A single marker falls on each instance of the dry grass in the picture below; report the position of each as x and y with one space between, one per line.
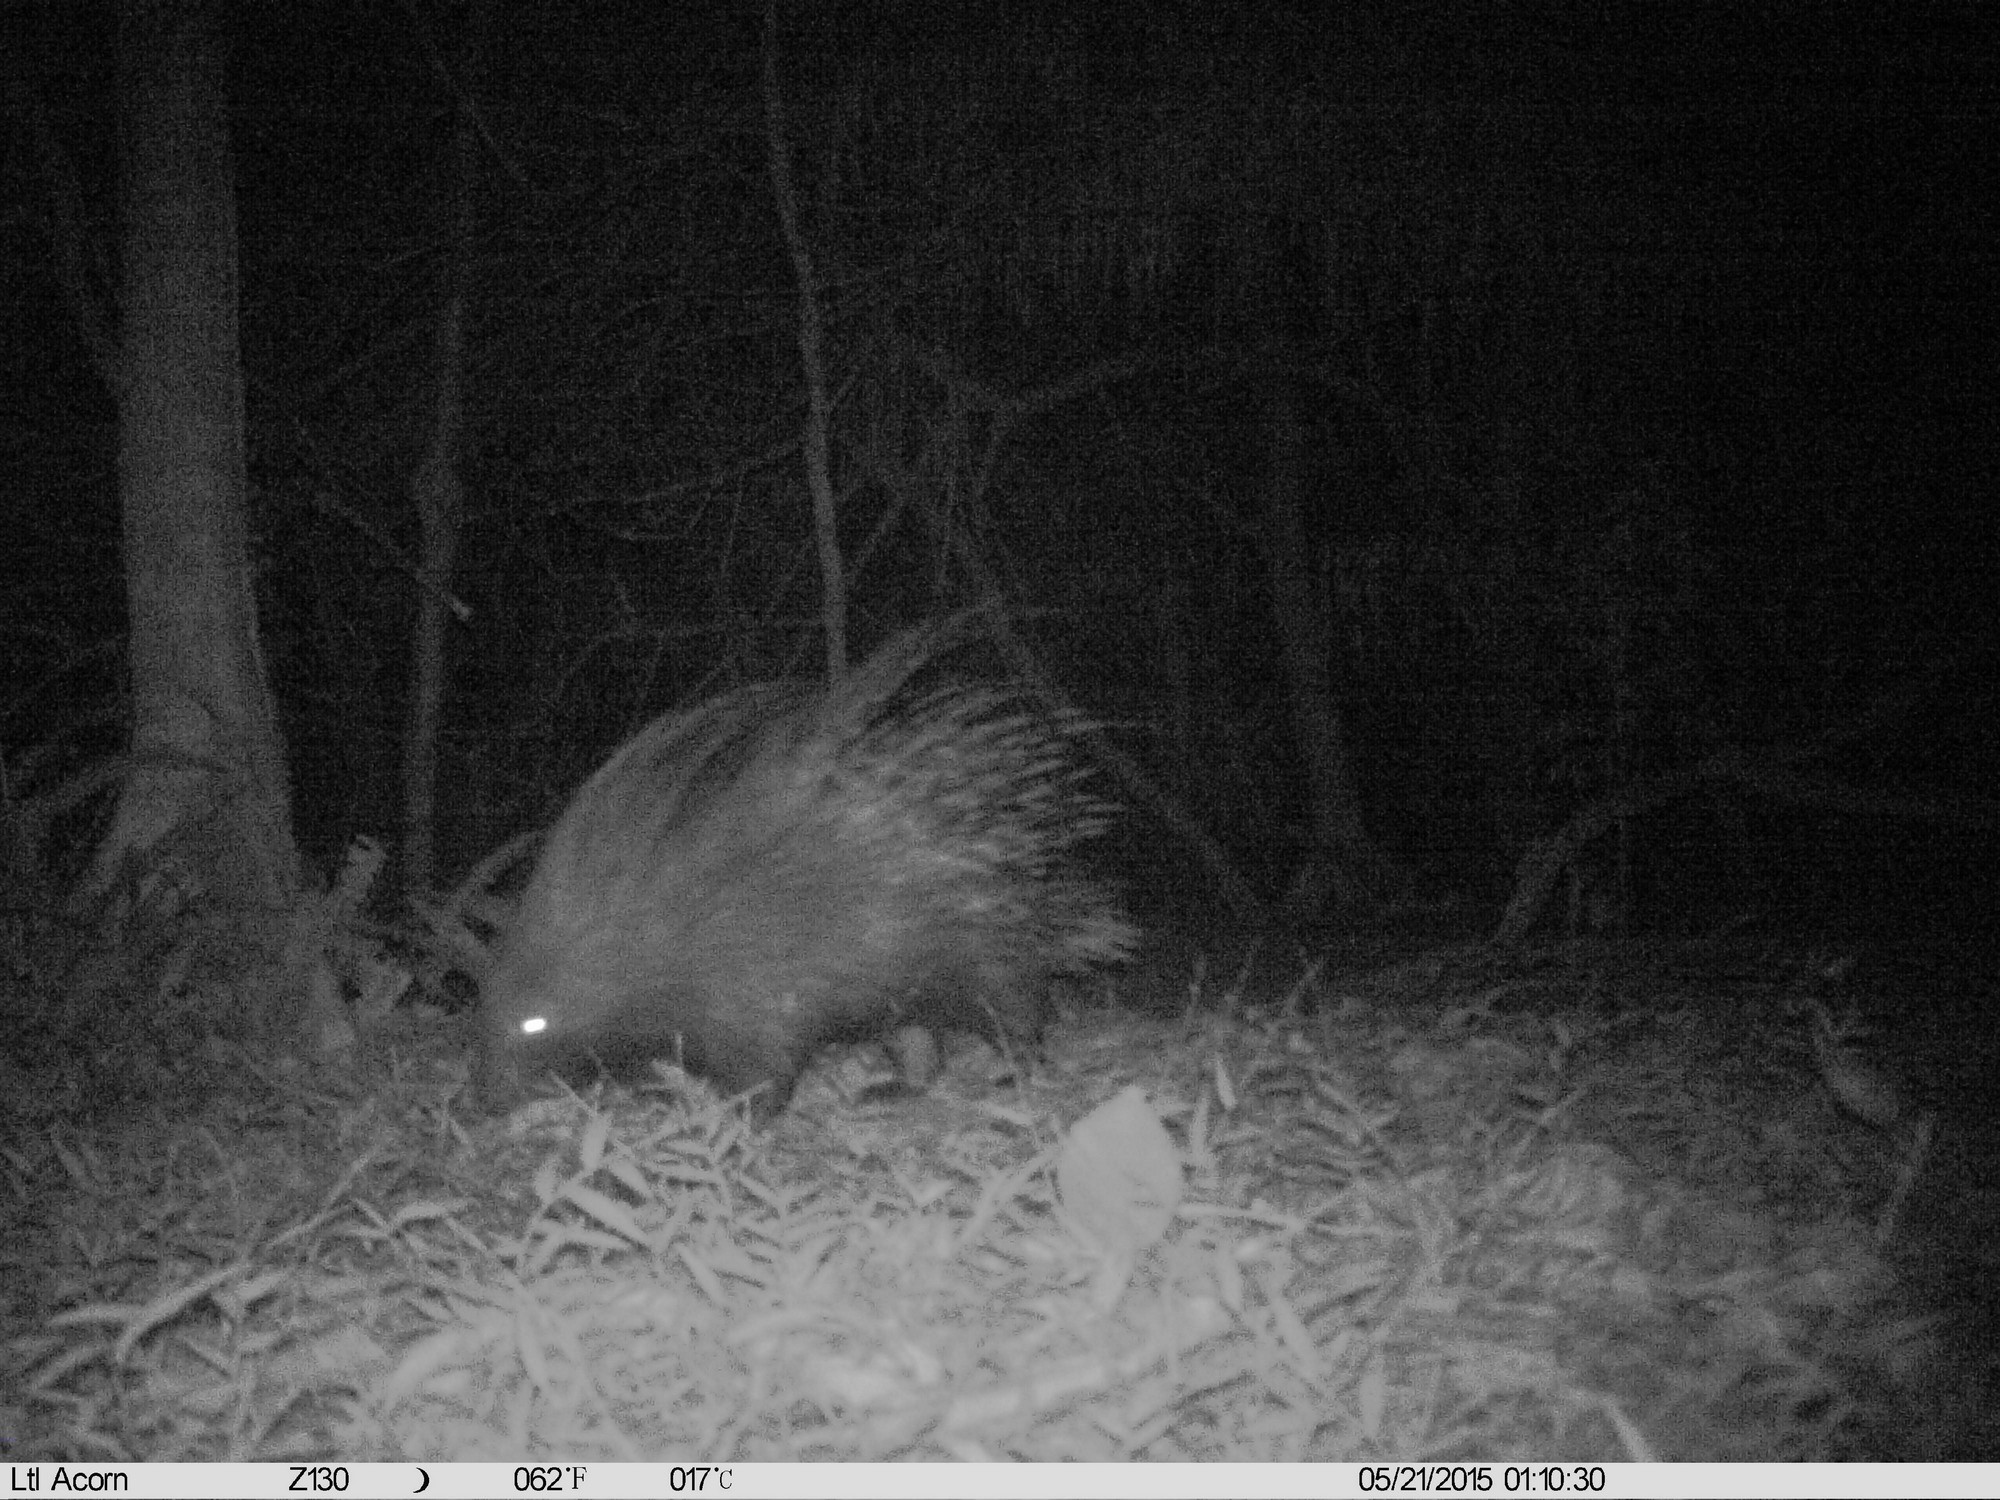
1458 1212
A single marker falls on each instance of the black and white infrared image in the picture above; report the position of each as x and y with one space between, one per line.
838 731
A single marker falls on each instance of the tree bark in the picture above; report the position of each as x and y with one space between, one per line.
817 443
1345 859
439 496
205 812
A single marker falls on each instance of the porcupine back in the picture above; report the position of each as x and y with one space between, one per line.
786 866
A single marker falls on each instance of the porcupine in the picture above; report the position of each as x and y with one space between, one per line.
791 865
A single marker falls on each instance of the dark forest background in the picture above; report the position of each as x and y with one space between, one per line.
1460 413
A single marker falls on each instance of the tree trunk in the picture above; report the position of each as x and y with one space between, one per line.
817 440
438 492
1345 864
205 812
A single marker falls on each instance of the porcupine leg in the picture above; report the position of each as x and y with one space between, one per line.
917 1056
755 1047
986 999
